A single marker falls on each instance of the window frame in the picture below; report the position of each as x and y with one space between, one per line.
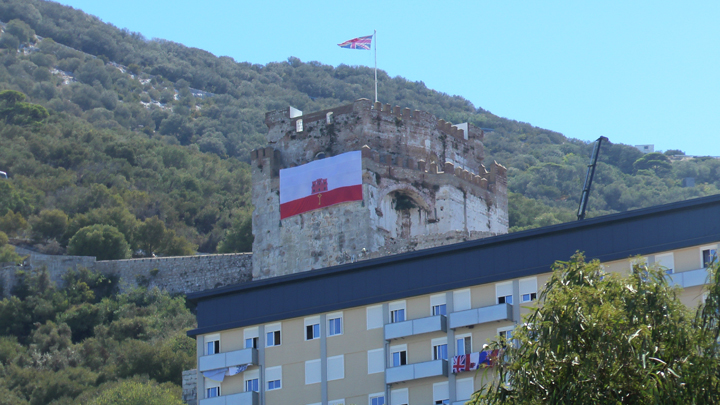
331 330
504 293
459 300
373 356
310 326
438 301
702 249
464 337
437 347
402 354
397 308
374 317
213 339
658 258
528 287
252 334
341 375
251 375
270 373
276 330
309 366
377 395
441 392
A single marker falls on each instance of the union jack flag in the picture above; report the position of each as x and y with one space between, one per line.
459 364
358 43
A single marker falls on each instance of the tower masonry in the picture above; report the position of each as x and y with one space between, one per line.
423 185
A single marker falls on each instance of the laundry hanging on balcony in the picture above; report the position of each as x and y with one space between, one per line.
473 361
219 374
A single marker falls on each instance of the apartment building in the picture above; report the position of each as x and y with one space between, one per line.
386 330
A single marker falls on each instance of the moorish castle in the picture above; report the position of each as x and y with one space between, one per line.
423 185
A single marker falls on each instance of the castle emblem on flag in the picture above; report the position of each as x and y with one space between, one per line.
319 186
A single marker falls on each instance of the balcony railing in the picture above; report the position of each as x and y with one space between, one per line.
397 330
690 278
228 359
243 398
493 313
415 371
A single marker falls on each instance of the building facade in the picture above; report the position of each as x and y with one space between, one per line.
384 330
423 185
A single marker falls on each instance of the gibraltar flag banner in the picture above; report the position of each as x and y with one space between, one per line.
321 183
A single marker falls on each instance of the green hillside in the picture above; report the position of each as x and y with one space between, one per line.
147 128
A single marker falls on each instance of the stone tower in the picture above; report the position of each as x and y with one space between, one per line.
423 185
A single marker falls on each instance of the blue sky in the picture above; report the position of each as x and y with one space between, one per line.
640 72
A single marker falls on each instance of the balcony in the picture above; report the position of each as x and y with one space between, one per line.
243 398
415 371
691 278
493 313
228 359
397 330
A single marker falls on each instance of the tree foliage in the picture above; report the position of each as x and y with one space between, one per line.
609 338
104 242
83 342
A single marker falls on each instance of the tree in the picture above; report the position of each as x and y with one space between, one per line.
102 241
20 30
150 235
50 224
239 237
655 161
607 338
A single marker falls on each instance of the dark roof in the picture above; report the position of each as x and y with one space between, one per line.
520 254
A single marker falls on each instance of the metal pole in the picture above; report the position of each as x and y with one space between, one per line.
375 38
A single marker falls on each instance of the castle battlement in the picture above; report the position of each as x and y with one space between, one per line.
424 184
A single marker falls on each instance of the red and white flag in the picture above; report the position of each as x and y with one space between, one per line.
321 183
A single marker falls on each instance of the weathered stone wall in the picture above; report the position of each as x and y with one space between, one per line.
181 274
189 387
423 185
177 275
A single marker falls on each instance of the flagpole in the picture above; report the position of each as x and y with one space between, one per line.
375 38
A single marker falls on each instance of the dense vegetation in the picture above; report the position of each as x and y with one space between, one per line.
601 338
84 343
139 129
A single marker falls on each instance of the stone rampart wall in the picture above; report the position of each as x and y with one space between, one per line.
181 274
176 275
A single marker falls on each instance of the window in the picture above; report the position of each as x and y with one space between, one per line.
399 355
461 300
252 380
272 332
299 125
312 372
334 324
336 367
212 392
441 393
506 334
376 361
709 255
463 344
329 118
212 344
504 292
666 262
438 305
312 328
439 349
374 317
399 397
528 289
505 299
397 311
312 331
273 376
337 402
251 338
376 399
